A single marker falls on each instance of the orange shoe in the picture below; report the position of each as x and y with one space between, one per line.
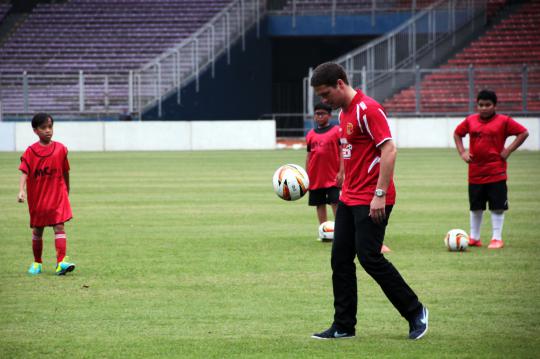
475 243
385 249
496 244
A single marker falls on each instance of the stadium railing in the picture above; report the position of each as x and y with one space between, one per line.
296 8
452 91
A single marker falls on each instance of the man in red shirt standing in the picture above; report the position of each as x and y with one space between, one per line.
487 157
324 163
45 174
366 200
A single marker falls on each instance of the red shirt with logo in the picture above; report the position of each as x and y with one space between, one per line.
487 139
46 188
363 129
323 165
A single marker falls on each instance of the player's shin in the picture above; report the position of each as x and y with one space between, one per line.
60 244
37 246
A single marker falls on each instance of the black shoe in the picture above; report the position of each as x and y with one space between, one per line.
333 333
419 325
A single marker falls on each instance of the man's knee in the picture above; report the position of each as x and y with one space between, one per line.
370 259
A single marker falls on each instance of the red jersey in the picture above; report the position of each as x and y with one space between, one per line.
46 188
487 140
323 165
363 128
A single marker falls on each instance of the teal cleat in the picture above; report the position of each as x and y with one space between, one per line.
64 267
35 268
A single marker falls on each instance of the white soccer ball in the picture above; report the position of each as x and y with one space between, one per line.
456 240
326 230
290 182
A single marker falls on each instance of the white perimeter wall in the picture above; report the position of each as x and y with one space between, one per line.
222 135
147 136
439 132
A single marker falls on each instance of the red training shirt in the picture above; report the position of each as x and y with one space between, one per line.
46 188
323 165
487 138
363 128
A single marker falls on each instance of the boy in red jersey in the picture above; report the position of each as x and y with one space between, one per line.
366 200
45 174
324 163
487 157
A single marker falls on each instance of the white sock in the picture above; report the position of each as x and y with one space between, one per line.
497 221
476 223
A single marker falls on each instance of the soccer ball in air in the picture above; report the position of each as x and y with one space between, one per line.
290 182
456 240
326 231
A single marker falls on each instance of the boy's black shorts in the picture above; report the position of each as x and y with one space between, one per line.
322 196
494 193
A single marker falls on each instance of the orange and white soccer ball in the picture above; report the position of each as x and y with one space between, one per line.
456 240
290 182
326 231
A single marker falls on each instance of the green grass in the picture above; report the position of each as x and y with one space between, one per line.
190 254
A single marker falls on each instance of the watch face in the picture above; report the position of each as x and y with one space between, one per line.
379 193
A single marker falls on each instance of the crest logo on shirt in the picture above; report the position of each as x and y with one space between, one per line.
350 127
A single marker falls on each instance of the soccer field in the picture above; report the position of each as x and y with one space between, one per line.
192 255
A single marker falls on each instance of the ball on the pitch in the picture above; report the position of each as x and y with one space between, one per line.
290 182
456 240
326 231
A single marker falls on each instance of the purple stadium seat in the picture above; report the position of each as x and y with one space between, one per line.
100 37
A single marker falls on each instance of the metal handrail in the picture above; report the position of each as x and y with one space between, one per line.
390 34
242 14
402 47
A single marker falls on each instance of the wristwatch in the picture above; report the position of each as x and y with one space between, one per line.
380 192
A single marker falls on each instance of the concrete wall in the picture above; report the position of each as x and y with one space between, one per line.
222 135
438 132
147 136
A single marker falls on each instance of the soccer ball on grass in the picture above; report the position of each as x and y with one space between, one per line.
326 231
456 240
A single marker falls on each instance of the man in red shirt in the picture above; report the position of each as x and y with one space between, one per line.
487 157
323 163
366 200
45 174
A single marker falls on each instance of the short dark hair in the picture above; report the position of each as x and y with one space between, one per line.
40 118
328 74
324 107
487 95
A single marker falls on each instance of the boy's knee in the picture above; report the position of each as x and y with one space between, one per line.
58 228
38 231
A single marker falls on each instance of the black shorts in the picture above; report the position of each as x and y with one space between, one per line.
494 193
320 196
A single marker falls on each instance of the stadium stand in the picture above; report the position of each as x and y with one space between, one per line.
497 59
100 37
4 8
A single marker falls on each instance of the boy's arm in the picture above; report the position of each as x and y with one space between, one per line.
463 153
515 144
22 187
66 179
341 172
